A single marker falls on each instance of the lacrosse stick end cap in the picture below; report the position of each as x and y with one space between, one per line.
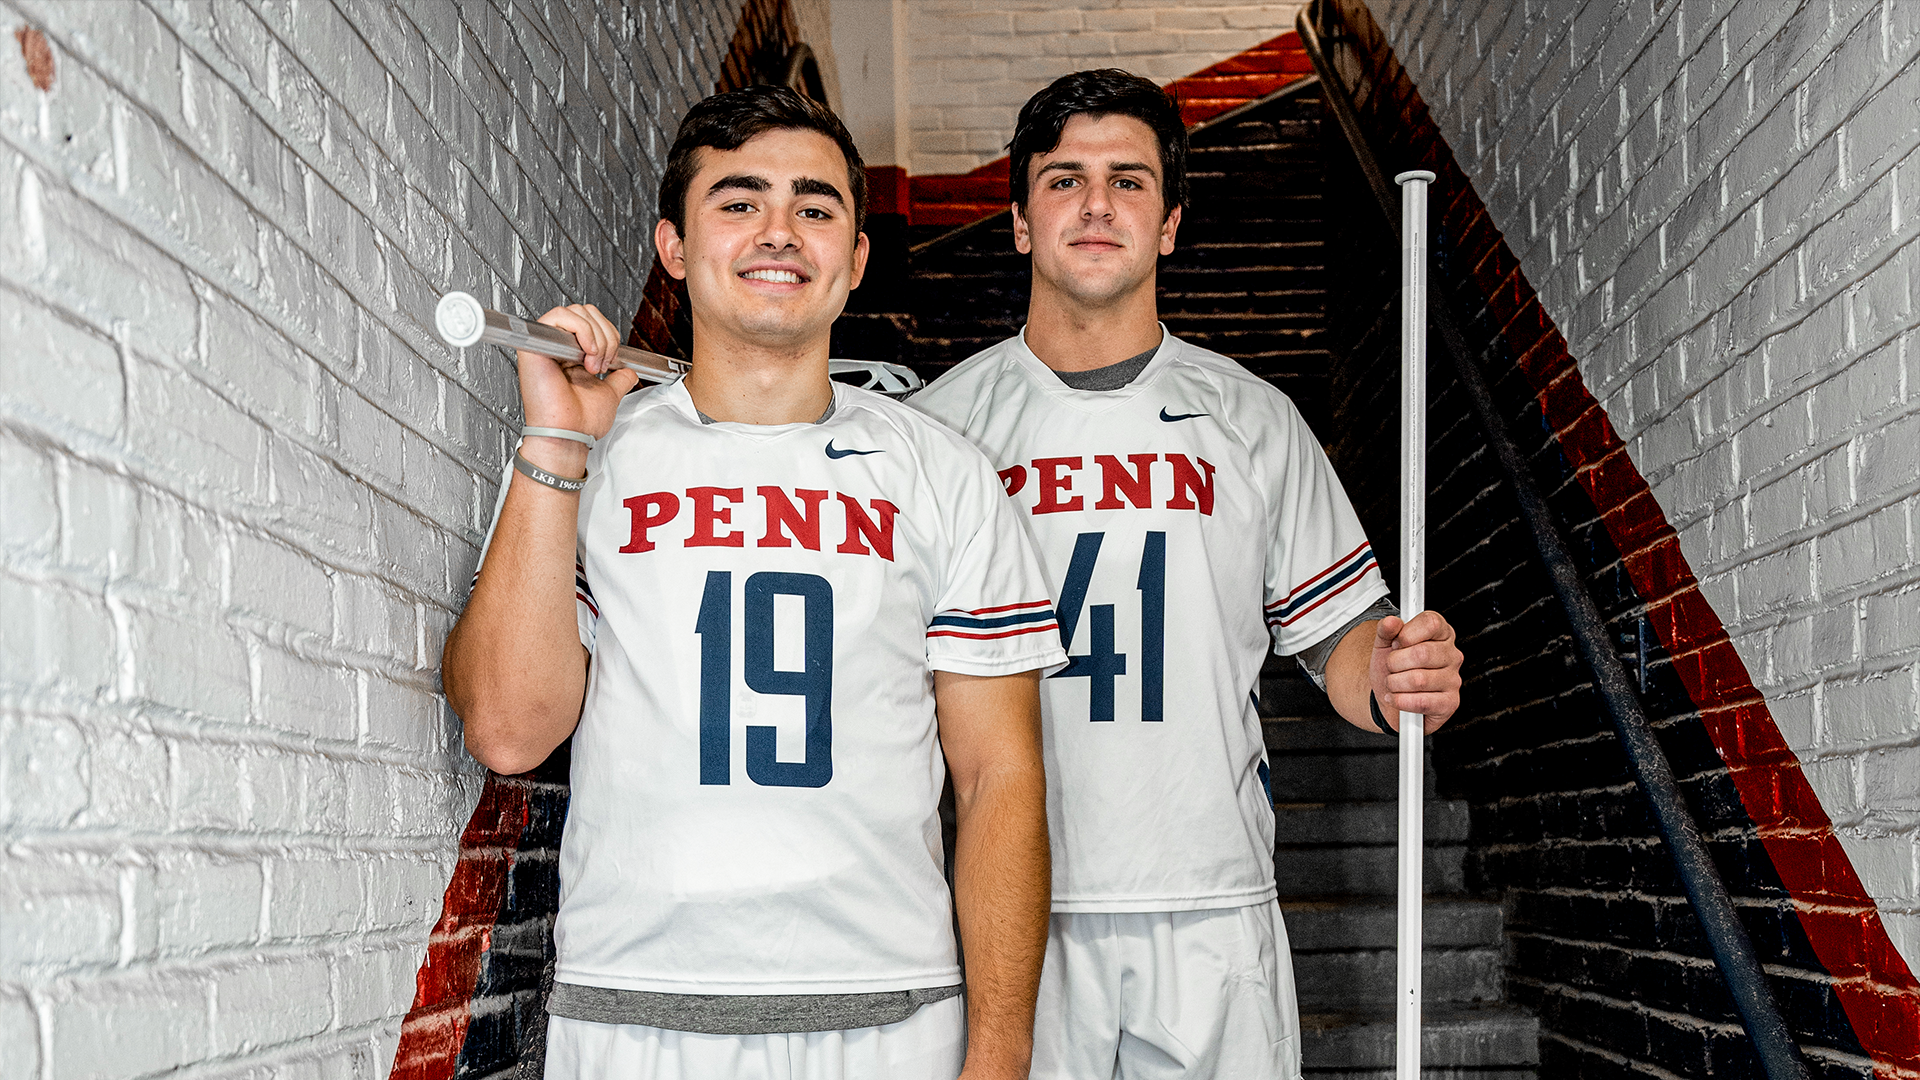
1414 174
460 319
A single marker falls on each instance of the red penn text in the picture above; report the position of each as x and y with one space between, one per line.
772 517
1064 484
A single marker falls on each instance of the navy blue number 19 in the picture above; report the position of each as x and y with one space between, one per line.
813 682
1100 665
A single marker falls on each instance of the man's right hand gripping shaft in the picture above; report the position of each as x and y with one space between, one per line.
514 669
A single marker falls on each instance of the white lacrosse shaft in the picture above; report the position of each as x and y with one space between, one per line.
1413 599
463 320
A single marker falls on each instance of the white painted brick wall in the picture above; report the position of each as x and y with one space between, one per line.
974 64
1719 202
244 484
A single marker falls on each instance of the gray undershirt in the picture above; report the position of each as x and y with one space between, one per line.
1314 657
742 1014
1111 377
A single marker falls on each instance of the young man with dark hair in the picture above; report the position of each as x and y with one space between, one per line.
774 613
1187 516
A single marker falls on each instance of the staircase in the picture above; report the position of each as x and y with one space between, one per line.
1335 859
1246 280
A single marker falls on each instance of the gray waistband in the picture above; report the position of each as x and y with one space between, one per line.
741 1014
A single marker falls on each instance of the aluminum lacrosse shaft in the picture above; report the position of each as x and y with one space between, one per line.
462 321
1413 599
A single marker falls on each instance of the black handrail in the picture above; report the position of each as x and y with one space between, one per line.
1726 937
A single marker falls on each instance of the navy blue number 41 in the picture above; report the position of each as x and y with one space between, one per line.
1100 665
813 682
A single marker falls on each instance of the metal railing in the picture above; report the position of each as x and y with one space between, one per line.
1726 937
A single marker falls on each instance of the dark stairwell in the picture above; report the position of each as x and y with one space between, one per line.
1248 279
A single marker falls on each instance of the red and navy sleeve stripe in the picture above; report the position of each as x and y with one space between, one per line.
1322 587
988 624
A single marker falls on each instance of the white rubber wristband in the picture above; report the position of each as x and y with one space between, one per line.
561 433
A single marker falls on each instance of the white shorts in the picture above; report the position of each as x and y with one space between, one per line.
1162 994
929 1045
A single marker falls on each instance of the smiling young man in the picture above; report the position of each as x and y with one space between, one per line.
774 613
1187 517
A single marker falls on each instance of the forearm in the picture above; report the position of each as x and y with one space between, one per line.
1002 891
513 667
1348 678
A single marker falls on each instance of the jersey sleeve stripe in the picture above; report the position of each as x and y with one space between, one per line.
1347 568
1289 618
1048 625
950 619
1048 604
587 600
1364 551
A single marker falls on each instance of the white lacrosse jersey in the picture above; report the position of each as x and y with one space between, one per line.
756 771
1184 519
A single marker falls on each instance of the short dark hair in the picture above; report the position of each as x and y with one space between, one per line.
1100 92
726 121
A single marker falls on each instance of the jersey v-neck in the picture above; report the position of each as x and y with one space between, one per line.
833 402
1092 401
1111 376
679 398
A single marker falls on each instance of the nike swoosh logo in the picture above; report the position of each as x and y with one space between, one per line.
837 454
1174 417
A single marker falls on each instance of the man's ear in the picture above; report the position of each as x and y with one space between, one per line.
672 249
861 249
1022 234
1167 230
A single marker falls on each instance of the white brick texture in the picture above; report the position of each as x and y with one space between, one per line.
1718 202
244 483
974 64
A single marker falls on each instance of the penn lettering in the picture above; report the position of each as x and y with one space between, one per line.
724 517
1124 483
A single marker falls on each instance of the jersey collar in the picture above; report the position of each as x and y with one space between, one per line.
676 397
1092 400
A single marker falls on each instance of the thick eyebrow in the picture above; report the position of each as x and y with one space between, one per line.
739 182
1112 166
807 185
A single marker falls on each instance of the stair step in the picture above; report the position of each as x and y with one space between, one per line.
1170 300
1299 267
1283 220
1232 320
1245 343
1370 775
1299 826
1333 981
1299 717
1349 870
1347 925
1494 1042
1321 734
